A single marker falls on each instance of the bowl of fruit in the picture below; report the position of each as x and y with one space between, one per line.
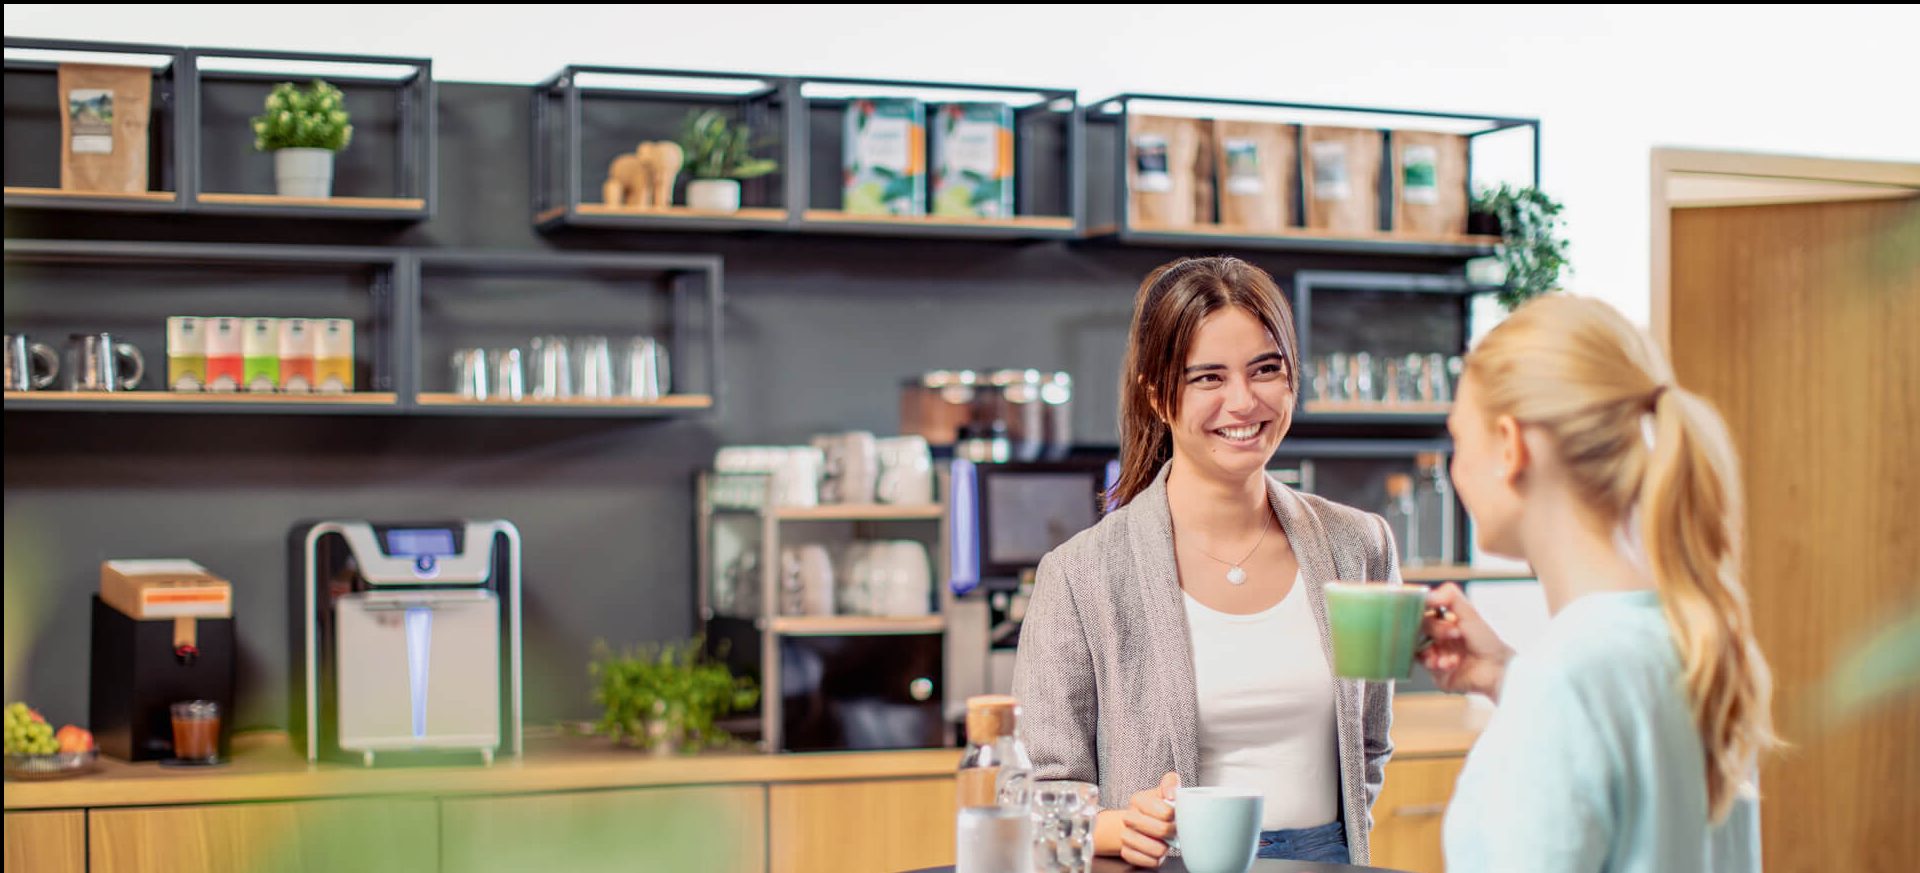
35 751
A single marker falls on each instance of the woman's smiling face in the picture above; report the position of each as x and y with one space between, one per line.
1236 400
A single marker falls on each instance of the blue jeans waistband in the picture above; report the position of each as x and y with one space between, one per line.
1325 843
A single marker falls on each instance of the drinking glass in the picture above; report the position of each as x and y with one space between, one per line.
1063 814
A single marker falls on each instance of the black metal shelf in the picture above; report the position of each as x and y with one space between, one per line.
413 131
394 280
672 406
1109 211
792 201
168 402
181 105
169 142
1384 244
1359 447
1421 420
691 284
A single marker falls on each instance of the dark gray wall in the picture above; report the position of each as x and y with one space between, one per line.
819 332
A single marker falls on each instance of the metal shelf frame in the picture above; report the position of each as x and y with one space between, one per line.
395 282
178 112
172 119
1118 225
779 103
768 523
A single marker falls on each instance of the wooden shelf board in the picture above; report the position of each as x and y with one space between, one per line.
358 398
827 625
858 512
139 196
674 401
1027 222
398 204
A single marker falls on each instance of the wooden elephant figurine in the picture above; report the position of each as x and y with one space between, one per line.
644 177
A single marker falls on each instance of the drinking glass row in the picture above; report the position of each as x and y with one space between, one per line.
564 368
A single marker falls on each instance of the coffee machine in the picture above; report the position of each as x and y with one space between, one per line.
1004 518
406 639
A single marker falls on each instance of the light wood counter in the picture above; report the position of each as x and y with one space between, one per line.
266 768
1434 725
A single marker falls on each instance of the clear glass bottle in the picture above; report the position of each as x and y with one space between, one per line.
1403 516
994 831
1433 500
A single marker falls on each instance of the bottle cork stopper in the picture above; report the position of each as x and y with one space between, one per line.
990 716
1398 484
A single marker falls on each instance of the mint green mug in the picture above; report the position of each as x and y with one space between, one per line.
1376 629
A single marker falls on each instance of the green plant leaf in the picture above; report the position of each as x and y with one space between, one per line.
296 117
673 689
1530 247
714 148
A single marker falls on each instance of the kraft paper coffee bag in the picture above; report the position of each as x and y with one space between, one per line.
103 127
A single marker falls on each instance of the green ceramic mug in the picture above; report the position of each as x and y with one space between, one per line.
1376 628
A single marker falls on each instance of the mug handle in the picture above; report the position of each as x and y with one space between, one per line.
1173 842
1424 639
43 353
128 383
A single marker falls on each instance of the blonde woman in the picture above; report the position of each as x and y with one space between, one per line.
1627 740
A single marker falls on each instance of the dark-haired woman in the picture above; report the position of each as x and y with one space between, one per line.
1183 639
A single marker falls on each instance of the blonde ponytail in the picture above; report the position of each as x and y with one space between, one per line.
1690 506
1638 445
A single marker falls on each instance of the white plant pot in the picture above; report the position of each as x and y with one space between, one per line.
303 172
1487 271
714 195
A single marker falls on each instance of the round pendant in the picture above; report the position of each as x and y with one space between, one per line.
1236 576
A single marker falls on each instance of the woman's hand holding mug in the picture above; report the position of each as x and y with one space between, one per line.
1465 654
1139 833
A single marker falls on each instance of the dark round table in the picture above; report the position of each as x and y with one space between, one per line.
1173 865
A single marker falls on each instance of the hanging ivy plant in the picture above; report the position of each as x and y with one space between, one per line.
1530 250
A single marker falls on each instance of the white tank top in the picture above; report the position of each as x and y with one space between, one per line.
1266 708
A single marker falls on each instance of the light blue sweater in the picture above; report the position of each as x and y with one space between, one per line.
1592 762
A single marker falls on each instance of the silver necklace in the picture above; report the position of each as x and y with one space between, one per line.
1236 574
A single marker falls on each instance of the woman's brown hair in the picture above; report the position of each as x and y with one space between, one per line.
1167 311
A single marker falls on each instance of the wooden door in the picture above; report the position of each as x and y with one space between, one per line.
1802 323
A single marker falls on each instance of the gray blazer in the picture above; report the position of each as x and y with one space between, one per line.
1105 668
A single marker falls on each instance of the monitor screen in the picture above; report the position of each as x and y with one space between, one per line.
1029 513
411 543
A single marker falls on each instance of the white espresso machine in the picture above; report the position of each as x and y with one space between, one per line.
406 639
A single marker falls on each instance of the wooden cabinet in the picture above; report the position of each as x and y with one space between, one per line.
46 842
862 827
718 829
1407 817
364 835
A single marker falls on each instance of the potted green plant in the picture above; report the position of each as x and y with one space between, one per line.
303 128
667 697
718 155
1531 254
